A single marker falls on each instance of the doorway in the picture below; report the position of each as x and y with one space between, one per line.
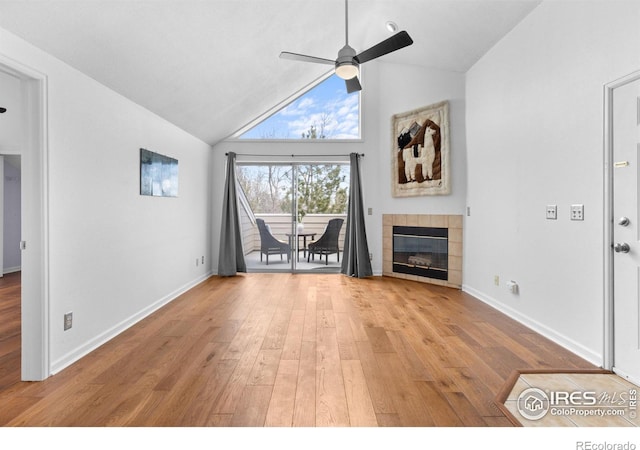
293 215
622 141
10 214
10 266
34 302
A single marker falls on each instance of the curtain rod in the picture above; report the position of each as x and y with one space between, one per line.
292 155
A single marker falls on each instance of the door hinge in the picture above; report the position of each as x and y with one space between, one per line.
23 245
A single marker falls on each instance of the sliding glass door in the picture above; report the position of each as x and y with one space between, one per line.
293 215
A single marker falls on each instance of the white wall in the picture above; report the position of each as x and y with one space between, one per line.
535 137
387 90
114 255
401 89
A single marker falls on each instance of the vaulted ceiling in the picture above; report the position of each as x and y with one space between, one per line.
212 66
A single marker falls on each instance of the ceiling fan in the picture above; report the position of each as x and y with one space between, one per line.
347 65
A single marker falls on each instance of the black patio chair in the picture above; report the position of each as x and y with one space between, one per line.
269 245
327 244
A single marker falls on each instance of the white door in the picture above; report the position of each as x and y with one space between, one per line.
626 230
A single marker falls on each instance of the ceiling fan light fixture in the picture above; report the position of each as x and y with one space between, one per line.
391 26
346 65
347 70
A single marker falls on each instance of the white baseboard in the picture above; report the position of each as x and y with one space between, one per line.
8 270
83 350
551 334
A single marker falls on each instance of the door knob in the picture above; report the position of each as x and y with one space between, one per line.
623 221
622 248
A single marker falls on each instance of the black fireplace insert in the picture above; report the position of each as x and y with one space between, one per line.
422 251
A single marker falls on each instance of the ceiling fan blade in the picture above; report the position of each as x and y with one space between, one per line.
395 42
306 58
353 85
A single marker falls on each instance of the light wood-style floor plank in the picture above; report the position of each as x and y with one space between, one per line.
293 340
281 407
304 412
361 413
281 349
331 401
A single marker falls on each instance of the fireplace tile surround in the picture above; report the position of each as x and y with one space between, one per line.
452 222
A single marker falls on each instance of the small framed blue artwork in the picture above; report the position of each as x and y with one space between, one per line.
158 174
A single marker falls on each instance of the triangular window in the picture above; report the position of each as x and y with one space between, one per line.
325 111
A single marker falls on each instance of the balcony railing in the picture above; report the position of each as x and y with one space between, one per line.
280 225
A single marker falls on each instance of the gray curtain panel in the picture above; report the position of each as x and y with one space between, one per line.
355 261
231 257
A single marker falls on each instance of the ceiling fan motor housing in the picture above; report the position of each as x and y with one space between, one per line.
346 64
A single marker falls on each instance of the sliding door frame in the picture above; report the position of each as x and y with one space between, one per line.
294 240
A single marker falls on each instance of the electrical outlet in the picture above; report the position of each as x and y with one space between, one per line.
197 262
577 212
496 280
552 212
68 321
202 260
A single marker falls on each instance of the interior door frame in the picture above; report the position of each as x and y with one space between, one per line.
609 349
35 357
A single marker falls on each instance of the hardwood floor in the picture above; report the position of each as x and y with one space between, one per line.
10 286
293 350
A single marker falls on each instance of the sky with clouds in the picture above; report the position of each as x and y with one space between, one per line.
328 103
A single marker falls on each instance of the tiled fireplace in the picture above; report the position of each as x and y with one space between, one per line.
423 247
